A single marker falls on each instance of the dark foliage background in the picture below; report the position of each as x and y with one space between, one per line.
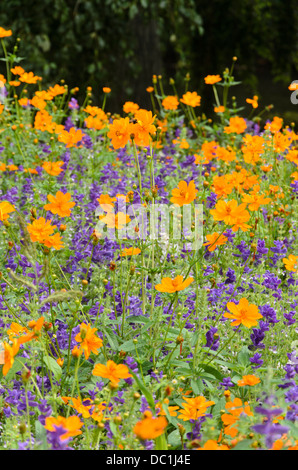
121 43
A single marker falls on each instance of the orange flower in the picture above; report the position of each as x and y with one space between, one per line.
149 89
17 70
253 102
292 156
212 79
96 111
53 168
54 241
54 91
130 252
219 109
76 404
149 427
237 125
40 229
38 102
60 204
113 372
253 148
4 33
231 214
171 409
71 138
76 352
170 103
90 342
248 380
35 327
291 263
15 330
120 131
72 425
10 352
243 314
234 409
226 155
144 127
275 125
5 209
215 240
94 123
194 408
29 77
255 201
191 99
209 151
222 186
130 107
184 194
213 445
173 285
106 202
183 144
281 142
106 89
12 167
293 86
113 220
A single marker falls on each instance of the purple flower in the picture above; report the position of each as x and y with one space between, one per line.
73 104
211 342
257 360
226 383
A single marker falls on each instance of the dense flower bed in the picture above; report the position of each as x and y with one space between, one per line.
115 340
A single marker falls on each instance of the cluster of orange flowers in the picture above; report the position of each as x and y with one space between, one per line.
25 77
41 231
122 130
232 214
19 335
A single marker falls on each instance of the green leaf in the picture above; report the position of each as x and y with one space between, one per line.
220 405
53 367
243 445
137 319
145 391
243 356
113 427
41 436
174 438
111 338
17 366
161 443
130 345
212 371
197 386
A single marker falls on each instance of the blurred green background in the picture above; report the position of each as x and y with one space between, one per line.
121 43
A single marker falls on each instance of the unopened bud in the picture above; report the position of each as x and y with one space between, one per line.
22 428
